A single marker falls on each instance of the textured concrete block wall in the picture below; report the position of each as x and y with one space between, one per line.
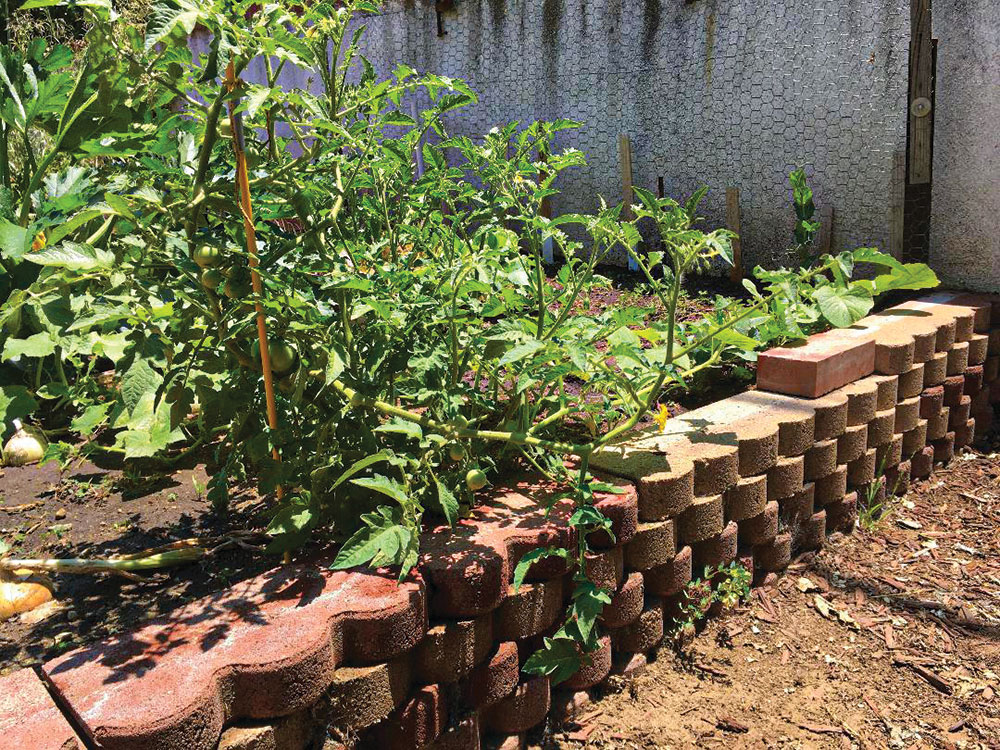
965 242
716 93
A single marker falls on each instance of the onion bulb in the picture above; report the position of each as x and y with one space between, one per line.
26 446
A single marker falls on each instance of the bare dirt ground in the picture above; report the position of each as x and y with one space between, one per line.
95 512
888 638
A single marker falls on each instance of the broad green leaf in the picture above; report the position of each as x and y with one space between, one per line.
388 487
72 256
15 241
873 255
89 420
381 541
36 346
521 351
138 381
447 502
908 276
359 466
16 402
843 307
402 427
533 556
148 429
559 659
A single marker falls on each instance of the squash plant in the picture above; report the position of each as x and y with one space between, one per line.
420 346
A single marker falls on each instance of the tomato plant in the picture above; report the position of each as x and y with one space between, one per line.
419 343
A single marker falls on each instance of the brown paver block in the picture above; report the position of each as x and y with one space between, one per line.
800 506
978 348
888 391
29 718
267 647
960 413
907 414
911 382
965 434
606 569
361 697
931 401
958 358
862 401
596 667
719 550
670 579
760 529
841 516
811 533
891 453
882 428
944 448
795 418
415 724
626 605
655 543
852 444
937 425
746 498
643 634
861 470
775 555
821 459
922 463
297 731
663 474
819 364
786 478
704 519
494 678
915 439
973 380
936 369
831 488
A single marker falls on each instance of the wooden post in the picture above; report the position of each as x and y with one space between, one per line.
733 225
897 203
921 91
825 239
625 163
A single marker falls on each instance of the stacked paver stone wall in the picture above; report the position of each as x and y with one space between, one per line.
279 660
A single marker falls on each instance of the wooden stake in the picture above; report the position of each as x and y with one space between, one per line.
243 188
625 163
825 239
733 225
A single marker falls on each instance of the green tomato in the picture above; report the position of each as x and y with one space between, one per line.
225 128
456 452
211 278
284 358
207 256
475 479
237 289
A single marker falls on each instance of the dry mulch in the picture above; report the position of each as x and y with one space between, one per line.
890 637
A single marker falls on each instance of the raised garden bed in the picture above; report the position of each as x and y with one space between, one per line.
300 652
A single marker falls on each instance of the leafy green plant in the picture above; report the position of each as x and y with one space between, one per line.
418 346
805 227
726 585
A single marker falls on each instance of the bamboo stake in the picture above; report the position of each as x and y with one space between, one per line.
243 186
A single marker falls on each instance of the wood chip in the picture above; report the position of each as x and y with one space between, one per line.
937 682
729 724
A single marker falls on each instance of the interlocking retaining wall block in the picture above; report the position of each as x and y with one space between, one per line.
301 653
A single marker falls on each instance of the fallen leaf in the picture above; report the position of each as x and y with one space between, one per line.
822 605
805 585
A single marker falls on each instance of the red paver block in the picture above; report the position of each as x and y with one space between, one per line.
643 634
452 649
529 610
626 605
468 569
415 724
29 718
361 697
524 708
266 647
818 365
973 380
462 736
596 667
494 678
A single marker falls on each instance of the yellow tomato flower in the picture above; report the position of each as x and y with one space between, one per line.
662 416
39 242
